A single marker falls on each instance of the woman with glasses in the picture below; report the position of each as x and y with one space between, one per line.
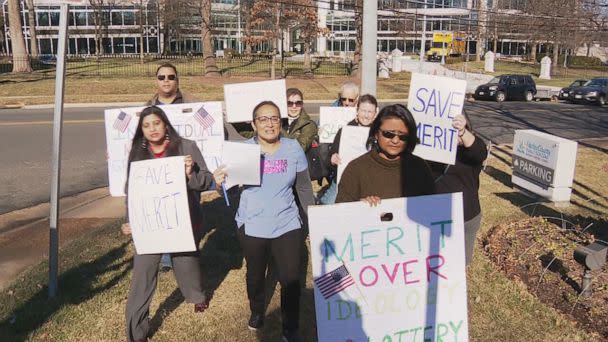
268 219
367 109
155 137
389 169
299 125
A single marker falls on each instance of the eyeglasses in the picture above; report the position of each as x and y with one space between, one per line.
170 77
295 103
391 135
346 99
266 119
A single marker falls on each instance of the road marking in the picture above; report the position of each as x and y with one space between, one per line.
24 123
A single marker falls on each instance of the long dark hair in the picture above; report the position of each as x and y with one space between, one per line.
140 146
396 111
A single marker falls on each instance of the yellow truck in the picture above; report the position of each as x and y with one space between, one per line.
446 43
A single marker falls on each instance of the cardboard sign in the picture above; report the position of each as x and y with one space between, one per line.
242 162
201 122
241 98
331 119
395 272
544 164
435 101
352 145
158 206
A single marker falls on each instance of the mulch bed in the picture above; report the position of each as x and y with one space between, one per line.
539 252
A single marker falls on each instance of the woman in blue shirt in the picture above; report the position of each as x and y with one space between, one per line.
269 221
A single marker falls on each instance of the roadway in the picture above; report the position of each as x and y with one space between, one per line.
26 136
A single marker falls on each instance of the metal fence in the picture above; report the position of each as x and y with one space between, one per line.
124 65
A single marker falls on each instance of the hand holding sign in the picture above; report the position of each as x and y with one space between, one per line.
435 101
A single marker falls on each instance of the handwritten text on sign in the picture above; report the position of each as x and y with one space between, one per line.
435 101
396 279
331 119
158 206
201 122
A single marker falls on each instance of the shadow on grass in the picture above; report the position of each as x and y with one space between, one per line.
308 325
505 178
76 285
596 226
552 263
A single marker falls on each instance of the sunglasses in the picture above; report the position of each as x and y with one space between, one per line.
295 103
346 99
170 77
391 135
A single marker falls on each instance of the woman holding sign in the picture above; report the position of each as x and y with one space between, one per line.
367 109
268 218
155 137
464 177
389 169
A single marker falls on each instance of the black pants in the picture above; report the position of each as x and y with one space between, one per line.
285 251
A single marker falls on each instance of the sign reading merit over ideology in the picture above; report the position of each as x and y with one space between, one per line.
201 122
241 98
544 164
435 101
158 206
394 272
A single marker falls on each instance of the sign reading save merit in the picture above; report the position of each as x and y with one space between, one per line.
544 164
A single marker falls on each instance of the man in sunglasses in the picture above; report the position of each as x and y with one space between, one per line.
167 84
349 95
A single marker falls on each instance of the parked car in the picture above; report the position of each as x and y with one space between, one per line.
507 87
595 91
564 93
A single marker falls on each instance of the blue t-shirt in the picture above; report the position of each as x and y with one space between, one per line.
270 210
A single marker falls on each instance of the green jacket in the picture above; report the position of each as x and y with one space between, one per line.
303 129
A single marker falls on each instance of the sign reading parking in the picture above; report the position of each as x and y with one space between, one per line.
534 172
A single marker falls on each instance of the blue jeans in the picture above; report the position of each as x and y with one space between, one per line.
329 196
165 261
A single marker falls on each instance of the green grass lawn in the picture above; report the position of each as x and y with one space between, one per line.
95 273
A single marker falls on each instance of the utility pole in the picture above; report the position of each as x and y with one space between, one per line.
423 37
482 15
369 39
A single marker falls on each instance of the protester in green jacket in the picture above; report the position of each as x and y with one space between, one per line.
299 125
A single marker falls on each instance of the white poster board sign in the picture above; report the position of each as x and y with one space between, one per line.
352 145
201 122
241 98
331 119
435 101
395 272
242 163
158 206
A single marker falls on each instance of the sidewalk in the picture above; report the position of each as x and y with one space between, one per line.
24 234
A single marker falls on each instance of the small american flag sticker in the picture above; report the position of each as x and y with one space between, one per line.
204 118
122 121
334 282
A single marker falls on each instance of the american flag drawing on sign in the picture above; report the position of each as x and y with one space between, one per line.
204 118
122 121
335 281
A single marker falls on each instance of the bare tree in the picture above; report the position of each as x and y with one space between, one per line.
102 19
208 53
2 37
32 25
21 60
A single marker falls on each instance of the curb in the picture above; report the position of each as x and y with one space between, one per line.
12 106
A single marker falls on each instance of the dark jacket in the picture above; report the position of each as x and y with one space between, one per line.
463 176
180 97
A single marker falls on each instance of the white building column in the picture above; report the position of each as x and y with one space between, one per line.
322 10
